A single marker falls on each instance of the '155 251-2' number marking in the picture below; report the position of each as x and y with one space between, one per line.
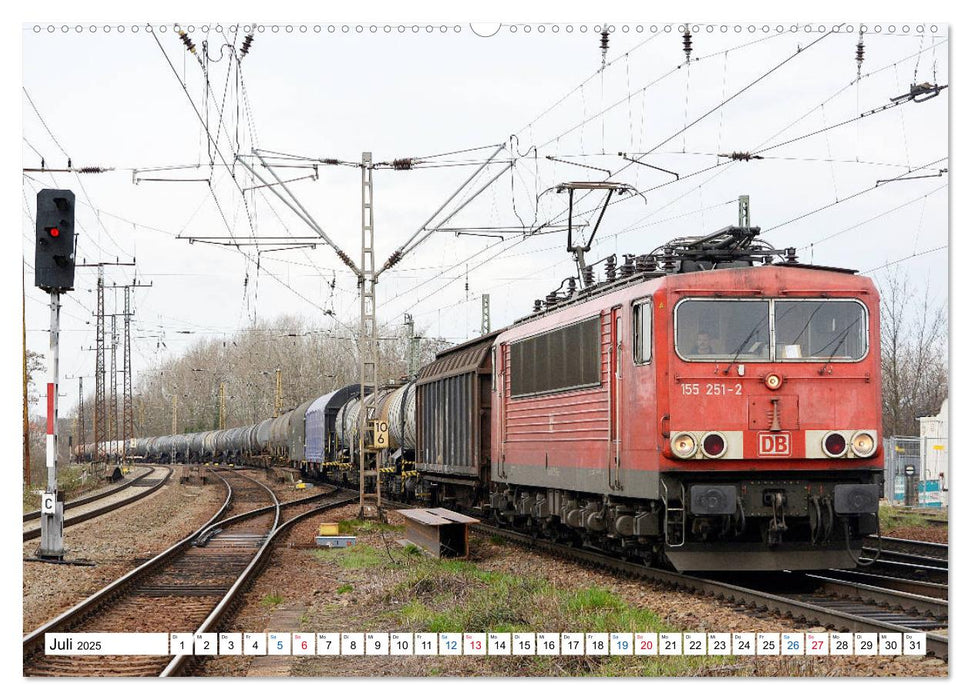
711 389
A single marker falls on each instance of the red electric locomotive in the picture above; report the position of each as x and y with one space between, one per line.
707 406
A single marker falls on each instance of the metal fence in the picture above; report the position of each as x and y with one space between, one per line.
915 471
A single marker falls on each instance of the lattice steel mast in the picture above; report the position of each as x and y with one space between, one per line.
100 409
113 418
368 330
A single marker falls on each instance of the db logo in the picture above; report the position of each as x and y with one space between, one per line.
774 445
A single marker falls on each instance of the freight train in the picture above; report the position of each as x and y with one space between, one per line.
714 405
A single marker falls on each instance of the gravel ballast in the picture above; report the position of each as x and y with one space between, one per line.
304 591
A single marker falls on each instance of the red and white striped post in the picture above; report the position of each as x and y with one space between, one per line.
52 509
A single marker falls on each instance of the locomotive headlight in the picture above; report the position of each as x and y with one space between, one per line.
863 444
773 381
684 445
834 445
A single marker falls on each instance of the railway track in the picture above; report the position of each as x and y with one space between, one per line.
927 612
97 494
142 486
933 552
842 609
924 588
910 560
187 588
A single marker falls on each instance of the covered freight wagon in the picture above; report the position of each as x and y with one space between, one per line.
321 423
453 415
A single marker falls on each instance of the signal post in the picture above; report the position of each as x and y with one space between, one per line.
54 273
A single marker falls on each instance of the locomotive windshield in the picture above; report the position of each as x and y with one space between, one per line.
709 330
721 329
820 329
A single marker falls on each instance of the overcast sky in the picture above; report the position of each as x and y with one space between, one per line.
111 99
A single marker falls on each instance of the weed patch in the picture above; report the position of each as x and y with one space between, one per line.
457 596
360 556
892 518
349 527
271 600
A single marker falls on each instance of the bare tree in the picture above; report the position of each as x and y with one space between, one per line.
312 362
913 336
35 367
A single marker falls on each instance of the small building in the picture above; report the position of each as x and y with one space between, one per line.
934 452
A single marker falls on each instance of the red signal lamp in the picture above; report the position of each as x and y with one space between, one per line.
54 231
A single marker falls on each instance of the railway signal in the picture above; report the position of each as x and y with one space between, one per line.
53 272
54 253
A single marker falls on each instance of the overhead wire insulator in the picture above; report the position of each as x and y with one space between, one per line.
645 263
740 155
247 43
190 47
588 276
686 41
604 42
402 163
395 257
859 55
610 268
340 254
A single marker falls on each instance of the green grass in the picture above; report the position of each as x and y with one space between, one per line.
271 599
892 517
345 588
457 596
412 550
350 527
600 610
360 556
448 595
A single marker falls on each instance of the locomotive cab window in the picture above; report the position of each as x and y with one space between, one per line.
558 360
642 331
710 330
820 329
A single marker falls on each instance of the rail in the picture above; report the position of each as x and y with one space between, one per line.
34 533
84 500
178 662
780 604
32 639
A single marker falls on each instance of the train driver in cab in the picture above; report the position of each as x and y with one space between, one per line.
703 344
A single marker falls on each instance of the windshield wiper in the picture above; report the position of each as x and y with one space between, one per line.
838 341
742 346
808 321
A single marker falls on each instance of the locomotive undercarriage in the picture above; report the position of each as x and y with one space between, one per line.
710 522
625 527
